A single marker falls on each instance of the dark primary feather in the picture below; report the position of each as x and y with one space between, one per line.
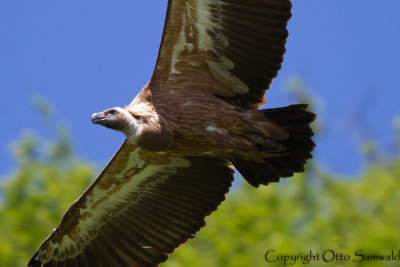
257 34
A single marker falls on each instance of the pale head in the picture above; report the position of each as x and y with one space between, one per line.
118 119
140 124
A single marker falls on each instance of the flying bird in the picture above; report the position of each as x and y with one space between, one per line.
196 119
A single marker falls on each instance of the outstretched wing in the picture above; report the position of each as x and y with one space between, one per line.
232 48
140 208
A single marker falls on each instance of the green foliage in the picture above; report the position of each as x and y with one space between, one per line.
34 198
298 215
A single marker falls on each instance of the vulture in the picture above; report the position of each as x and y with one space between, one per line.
196 120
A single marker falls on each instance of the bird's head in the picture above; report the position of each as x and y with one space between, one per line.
117 118
137 123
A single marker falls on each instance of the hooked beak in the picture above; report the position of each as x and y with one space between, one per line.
98 117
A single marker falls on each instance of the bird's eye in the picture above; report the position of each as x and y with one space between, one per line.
112 112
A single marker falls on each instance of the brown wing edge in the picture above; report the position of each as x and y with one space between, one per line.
170 214
165 28
74 208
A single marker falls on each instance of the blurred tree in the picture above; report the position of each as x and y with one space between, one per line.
298 215
33 198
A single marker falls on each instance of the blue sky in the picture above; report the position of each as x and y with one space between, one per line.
86 56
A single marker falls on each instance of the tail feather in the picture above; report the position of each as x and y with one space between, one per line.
296 120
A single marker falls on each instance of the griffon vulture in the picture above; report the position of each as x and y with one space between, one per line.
192 122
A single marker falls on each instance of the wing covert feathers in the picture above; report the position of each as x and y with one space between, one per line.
139 209
231 48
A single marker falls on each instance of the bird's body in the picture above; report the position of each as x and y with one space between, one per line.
196 118
217 128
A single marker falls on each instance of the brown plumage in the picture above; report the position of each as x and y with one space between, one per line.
196 117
